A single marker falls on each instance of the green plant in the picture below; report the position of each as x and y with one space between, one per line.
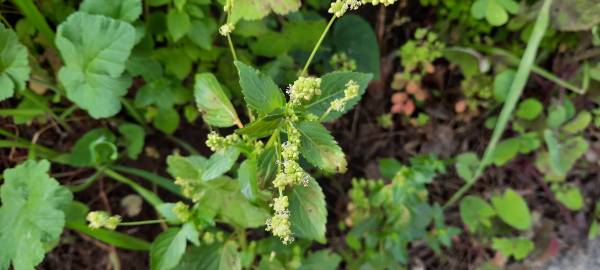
385 216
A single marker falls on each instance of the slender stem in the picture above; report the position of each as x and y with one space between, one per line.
314 52
87 183
29 95
183 144
142 222
231 47
133 112
37 19
148 195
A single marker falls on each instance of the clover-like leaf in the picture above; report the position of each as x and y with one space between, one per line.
133 139
125 10
95 49
14 67
516 247
320 148
494 11
213 102
31 214
512 209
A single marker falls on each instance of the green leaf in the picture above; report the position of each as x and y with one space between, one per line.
213 102
157 92
564 155
494 11
505 151
502 83
323 259
294 35
186 167
248 178
515 247
579 124
125 10
220 163
14 71
571 197
217 256
529 109
260 92
94 148
320 148
95 49
389 167
202 33
466 164
134 139
354 36
557 115
31 214
178 23
263 127
166 120
267 165
169 246
258 9
308 214
512 209
332 87
476 213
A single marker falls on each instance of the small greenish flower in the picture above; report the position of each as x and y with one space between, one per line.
279 226
226 29
341 62
338 104
304 89
351 91
377 2
280 205
217 143
338 8
208 238
182 211
99 219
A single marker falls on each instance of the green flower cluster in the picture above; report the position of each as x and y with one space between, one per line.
290 174
100 219
304 89
350 92
216 142
190 188
182 212
340 7
342 62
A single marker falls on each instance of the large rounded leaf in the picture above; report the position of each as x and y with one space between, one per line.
14 68
94 49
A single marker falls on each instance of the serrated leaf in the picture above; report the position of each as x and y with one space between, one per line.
133 138
217 256
308 214
261 128
213 102
323 259
332 87
186 167
125 10
260 92
157 92
169 246
320 148
31 214
258 9
13 60
95 49
512 209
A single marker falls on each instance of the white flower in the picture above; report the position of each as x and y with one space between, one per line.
226 29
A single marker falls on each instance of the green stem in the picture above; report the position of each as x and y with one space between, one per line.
316 48
153 178
35 17
513 60
87 183
133 112
148 195
29 95
231 47
21 112
183 144
143 222
516 89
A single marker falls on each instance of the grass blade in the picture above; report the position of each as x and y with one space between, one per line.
516 89
35 17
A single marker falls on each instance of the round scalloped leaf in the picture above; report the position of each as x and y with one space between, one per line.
95 49
31 214
14 67
125 10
